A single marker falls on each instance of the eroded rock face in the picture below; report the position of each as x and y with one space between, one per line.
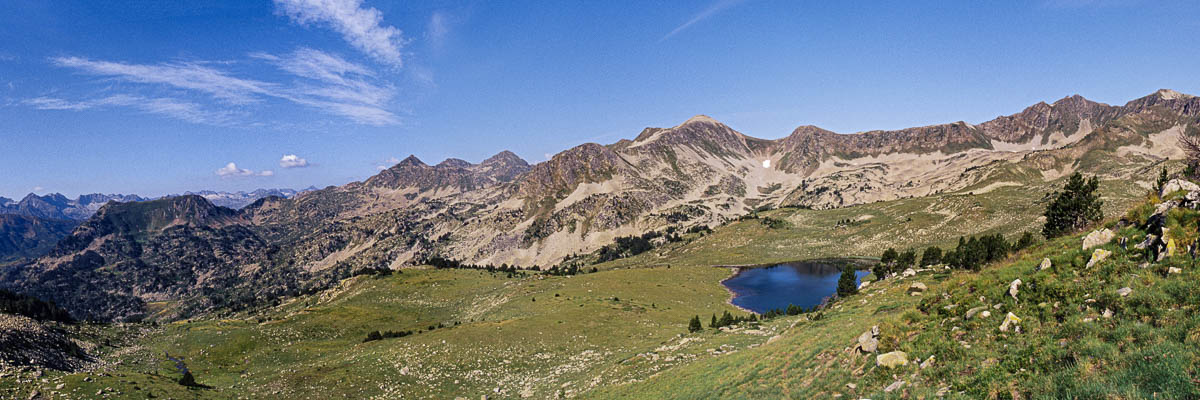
1097 238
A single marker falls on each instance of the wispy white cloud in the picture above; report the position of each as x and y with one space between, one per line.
362 27
326 82
189 76
174 108
231 170
292 161
712 9
438 29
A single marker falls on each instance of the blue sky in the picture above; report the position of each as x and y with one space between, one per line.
154 97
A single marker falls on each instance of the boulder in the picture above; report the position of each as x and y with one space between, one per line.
972 312
1044 265
917 287
892 360
1125 291
1098 256
1097 238
1010 321
1013 288
867 341
1175 185
908 272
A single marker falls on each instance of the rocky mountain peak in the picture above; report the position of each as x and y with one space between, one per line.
1168 94
411 161
454 163
505 158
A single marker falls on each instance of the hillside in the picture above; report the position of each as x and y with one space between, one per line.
30 237
621 333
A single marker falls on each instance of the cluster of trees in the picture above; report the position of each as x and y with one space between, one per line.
32 307
970 254
791 309
567 270
726 319
377 335
445 263
629 246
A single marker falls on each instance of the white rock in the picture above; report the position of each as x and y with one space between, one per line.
1013 288
1174 270
917 287
908 272
1097 238
1177 185
1044 265
895 385
1125 291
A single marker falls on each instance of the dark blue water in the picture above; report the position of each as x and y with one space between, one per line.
804 284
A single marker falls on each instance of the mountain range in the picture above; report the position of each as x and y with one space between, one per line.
194 256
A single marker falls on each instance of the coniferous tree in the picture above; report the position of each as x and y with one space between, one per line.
847 284
1076 206
1162 180
694 325
713 324
931 256
905 260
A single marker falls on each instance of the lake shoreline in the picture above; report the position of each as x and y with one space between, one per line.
809 276
734 271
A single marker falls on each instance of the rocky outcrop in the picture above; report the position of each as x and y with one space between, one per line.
25 342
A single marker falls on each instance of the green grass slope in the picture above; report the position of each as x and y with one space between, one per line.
1144 346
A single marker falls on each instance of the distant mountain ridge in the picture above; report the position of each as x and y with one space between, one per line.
58 206
503 210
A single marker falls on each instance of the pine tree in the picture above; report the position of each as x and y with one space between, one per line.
694 325
931 256
713 324
847 284
1162 180
1073 208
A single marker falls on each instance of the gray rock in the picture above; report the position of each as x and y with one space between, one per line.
867 343
1013 288
972 312
1175 185
1145 244
1097 238
895 385
1098 256
1125 291
1044 265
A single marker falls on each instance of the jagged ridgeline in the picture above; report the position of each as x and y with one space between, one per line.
173 257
